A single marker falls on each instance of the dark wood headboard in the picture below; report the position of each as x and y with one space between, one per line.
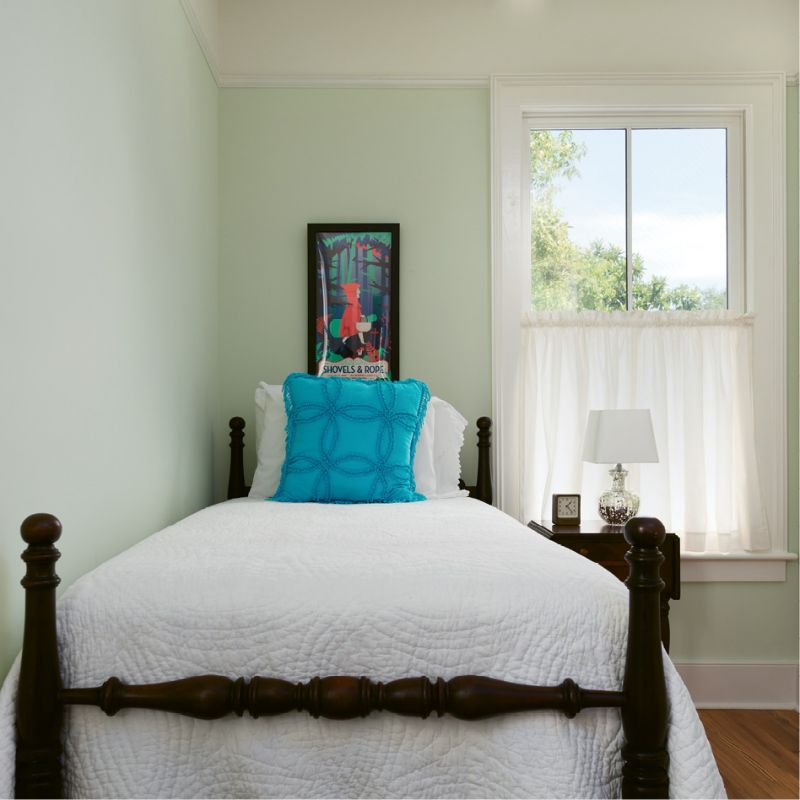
482 490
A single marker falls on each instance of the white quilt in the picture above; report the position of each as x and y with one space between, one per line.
438 588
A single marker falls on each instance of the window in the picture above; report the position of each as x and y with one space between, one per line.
631 218
681 178
634 217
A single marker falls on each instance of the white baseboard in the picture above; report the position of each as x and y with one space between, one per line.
732 685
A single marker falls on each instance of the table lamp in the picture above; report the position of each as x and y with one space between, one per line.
617 437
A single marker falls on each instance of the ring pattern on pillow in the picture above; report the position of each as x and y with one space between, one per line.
437 462
351 441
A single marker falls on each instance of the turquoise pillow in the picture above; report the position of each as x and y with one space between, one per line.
351 441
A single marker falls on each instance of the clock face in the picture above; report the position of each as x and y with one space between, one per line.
568 507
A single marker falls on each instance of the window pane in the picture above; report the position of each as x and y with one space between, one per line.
679 229
578 220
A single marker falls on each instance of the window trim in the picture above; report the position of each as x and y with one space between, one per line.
760 99
735 567
681 117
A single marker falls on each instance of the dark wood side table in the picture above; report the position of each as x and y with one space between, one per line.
606 546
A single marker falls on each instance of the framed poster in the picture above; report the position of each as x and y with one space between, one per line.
353 299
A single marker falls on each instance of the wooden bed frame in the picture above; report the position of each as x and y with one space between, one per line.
41 697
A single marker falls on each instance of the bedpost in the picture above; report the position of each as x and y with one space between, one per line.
644 714
483 485
236 484
39 707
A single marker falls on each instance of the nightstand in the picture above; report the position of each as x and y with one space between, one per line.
606 546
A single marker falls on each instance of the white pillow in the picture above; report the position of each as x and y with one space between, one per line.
437 461
424 462
448 440
270 440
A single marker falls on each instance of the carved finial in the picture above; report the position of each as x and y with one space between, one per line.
40 530
483 486
236 484
39 710
645 532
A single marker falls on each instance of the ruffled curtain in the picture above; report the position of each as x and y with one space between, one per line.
693 370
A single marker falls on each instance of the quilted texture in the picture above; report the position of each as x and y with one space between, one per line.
439 588
351 441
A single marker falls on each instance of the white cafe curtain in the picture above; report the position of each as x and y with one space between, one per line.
693 370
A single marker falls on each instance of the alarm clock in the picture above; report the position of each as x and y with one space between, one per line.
566 509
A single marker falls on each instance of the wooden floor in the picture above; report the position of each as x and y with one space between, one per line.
756 751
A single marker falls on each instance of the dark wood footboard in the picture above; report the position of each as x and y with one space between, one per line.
341 697
482 490
40 702
644 712
39 705
236 483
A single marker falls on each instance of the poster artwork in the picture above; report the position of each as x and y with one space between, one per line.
353 301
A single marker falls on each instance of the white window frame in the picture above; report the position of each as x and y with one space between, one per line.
758 100
678 118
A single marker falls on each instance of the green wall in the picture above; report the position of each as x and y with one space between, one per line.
421 157
108 260
290 157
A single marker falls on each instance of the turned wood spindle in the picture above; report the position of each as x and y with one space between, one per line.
342 697
644 714
483 485
39 709
482 490
236 483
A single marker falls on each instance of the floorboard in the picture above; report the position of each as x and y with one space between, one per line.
756 751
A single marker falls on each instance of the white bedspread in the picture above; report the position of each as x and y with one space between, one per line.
437 588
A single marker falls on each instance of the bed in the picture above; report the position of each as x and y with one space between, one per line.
436 627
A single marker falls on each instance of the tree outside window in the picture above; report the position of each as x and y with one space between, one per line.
579 217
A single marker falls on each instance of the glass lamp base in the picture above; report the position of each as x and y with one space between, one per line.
618 505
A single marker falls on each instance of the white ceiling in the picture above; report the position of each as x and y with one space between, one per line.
270 42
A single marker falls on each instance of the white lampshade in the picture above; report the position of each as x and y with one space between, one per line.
622 436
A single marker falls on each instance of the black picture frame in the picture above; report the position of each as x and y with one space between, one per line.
366 255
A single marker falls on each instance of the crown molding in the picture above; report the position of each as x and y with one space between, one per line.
256 81
234 80
243 81
202 39
639 78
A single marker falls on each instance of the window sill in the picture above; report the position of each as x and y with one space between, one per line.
719 567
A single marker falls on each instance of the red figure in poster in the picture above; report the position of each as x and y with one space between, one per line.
352 311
